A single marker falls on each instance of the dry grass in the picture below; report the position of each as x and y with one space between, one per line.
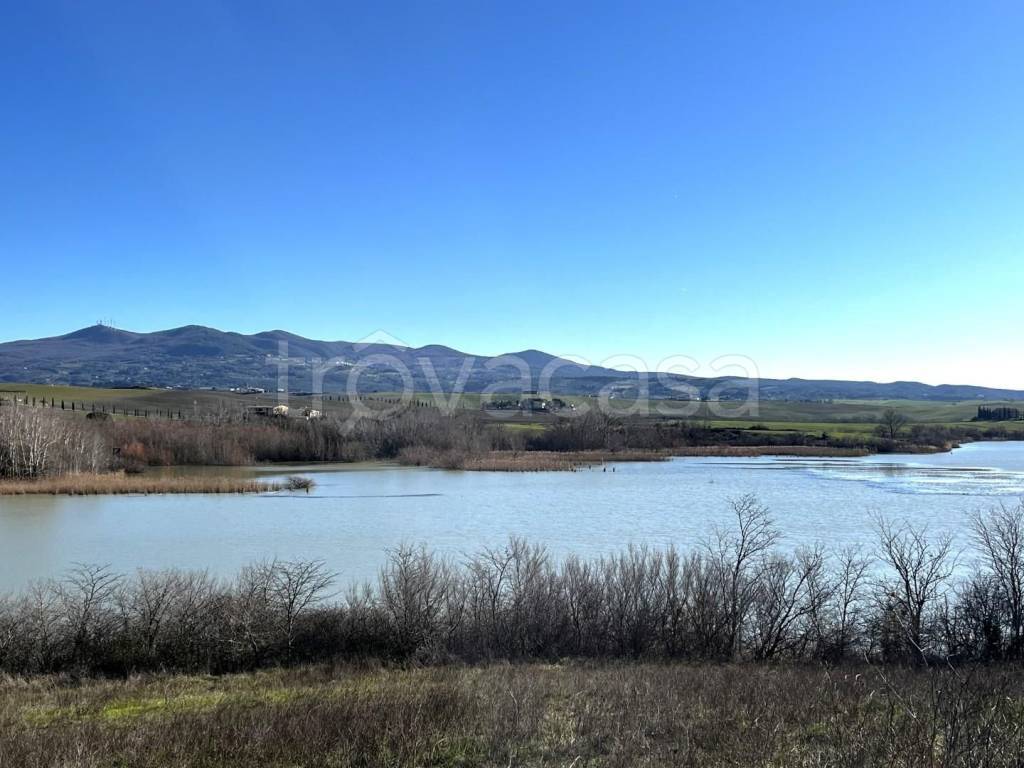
546 461
120 483
571 461
527 715
769 450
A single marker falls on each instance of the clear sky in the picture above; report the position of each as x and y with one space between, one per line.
832 189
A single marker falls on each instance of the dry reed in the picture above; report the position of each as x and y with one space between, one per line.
558 461
769 450
120 483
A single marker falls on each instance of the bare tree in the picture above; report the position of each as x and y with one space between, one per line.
249 612
192 622
707 620
973 623
633 598
789 592
144 605
488 574
999 535
413 591
891 422
295 588
839 622
583 602
531 593
86 600
920 567
737 553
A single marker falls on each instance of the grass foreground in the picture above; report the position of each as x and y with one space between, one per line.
610 714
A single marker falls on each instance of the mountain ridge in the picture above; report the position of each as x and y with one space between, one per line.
197 356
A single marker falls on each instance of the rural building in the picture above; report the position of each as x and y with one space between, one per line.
266 410
534 404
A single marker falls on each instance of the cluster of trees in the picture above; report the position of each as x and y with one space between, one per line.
735 596
228 441
998 413
34 443
596 431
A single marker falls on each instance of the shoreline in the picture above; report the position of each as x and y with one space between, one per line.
152 483
572 461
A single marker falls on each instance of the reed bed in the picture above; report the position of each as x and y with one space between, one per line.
121 483
557 461
575 461
770 450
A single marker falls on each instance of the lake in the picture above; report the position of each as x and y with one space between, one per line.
357 512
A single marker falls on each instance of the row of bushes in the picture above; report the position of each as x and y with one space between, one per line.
736 596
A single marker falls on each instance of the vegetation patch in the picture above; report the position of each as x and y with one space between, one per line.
120 483
636 713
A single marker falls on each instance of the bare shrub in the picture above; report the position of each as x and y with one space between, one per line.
736 597
918 568
999 537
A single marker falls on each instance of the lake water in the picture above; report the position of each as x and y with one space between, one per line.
357 512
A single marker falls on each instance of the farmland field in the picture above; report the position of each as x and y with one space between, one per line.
841 417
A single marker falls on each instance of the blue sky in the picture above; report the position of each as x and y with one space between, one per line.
832 189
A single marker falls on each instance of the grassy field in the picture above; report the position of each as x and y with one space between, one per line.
853 412
189 403
845 418
521 715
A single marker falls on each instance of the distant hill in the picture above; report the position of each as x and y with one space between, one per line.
196 357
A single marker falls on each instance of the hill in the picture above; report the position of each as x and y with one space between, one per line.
198 357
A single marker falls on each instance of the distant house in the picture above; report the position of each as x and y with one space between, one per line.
534 404
311 413
266 411
500 405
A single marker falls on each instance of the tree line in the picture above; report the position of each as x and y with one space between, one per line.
998 413
38 442
734 596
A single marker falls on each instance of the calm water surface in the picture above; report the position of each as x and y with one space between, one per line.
357 512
